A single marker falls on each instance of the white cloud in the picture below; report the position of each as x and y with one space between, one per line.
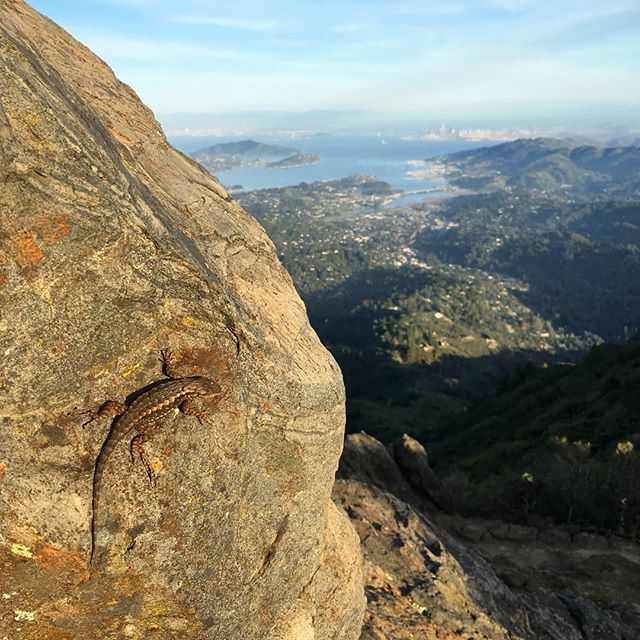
354 53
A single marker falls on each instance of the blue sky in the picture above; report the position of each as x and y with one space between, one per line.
462 58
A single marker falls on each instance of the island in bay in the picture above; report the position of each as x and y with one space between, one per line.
251 154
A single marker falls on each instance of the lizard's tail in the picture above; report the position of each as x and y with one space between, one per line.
94 508
109 445
97 474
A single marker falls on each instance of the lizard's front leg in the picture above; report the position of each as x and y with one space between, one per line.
108 409
194 407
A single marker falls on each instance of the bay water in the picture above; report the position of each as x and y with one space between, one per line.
390 159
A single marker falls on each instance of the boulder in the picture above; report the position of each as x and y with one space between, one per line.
113 246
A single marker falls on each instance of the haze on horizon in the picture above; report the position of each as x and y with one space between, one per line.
481 59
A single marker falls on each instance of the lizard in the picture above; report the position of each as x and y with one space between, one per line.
147 410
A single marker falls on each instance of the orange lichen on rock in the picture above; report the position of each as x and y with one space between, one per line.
52 229
46 230
49 557
29 253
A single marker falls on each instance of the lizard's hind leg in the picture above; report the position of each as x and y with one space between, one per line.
136 447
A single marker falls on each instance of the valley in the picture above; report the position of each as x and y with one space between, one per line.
499 328
434 307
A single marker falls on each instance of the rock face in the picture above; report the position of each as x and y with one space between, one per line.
365 458
424 584
112 246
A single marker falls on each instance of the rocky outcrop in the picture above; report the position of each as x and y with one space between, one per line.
415 586
424 584
367 459
112 246
601 569
412 459
401 468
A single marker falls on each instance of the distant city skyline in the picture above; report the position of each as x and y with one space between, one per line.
482 59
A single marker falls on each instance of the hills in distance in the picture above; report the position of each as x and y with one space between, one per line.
549 164
429 308
249 149
249 153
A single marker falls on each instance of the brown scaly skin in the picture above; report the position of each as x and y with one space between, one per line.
147 411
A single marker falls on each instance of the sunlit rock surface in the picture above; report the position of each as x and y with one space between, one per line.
114 245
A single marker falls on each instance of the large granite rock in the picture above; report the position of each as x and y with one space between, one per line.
112 246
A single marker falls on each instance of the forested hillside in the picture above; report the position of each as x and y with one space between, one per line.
428 307
561 442
550 165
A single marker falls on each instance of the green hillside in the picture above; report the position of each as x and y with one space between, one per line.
560 442
574 255
249 153
245 148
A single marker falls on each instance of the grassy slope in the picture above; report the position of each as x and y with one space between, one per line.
596 401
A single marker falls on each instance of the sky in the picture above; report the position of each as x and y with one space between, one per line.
458 58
